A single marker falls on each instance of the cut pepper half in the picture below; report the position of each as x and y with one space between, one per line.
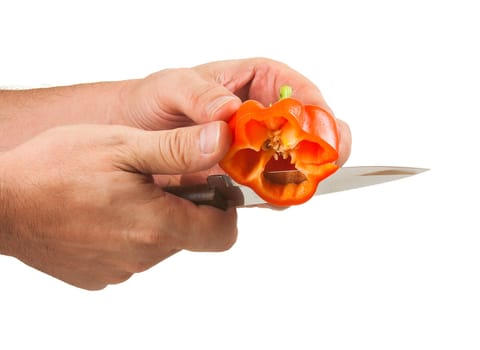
284 136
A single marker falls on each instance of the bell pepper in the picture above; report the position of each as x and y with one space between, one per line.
286 135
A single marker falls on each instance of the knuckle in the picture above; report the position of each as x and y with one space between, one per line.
226 233
166 73
172 150
147 238
264 60
116 138
267 63
120 277
222 240
228 240
92 286
204 97
203 93
139 266
182 76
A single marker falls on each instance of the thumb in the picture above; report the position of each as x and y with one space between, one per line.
181 150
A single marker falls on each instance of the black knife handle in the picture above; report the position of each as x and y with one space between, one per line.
200 194
218 192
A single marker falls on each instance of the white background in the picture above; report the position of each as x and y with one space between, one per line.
396 266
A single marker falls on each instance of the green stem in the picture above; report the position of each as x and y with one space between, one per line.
285 91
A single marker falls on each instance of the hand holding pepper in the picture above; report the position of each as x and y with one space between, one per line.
215 91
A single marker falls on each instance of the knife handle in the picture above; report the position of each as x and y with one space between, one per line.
219 192
202 194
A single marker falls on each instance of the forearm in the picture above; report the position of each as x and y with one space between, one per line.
25 113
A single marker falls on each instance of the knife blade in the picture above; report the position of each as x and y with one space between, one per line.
222 192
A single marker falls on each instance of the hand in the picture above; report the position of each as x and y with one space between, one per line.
79 203
213 91
164 100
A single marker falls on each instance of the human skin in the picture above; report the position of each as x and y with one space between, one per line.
82 167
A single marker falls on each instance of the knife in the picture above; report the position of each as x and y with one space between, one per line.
222 192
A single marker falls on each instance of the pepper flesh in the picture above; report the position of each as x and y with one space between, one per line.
284 136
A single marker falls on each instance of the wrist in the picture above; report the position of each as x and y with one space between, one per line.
124 110
26 113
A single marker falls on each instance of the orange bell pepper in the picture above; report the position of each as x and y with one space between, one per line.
287 135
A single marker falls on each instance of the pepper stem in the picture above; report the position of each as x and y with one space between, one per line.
285 91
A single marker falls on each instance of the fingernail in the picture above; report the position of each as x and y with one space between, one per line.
216 104
209 138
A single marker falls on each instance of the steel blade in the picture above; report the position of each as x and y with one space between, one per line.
348 178
345 178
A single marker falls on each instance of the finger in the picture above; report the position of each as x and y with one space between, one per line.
345 145
184 91
178 224
143 257
260 79
176 151
207 229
